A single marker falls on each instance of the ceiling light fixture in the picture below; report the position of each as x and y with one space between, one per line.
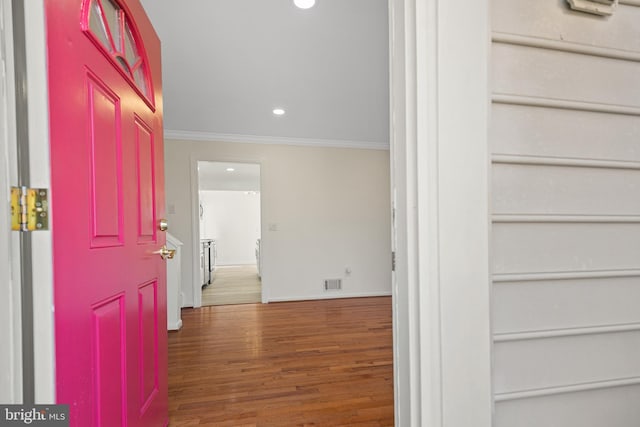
230 169
304 4
278 111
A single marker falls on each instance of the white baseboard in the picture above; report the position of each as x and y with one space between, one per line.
175 325
330 295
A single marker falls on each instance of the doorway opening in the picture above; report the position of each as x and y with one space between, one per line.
229 230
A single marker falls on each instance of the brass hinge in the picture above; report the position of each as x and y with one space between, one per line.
29 209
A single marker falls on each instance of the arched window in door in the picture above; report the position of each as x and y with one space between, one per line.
107 23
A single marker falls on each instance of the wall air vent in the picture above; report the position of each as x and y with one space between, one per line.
332 284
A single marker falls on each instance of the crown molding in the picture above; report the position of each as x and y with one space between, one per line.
272 140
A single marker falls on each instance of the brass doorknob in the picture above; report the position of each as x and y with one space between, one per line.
165 252
163 225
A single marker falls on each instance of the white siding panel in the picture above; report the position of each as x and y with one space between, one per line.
526 248
561 304
560 75
559 335
553 19
611 407
535 131
552 362
519 189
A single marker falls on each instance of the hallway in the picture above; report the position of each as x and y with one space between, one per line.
311 363
234 284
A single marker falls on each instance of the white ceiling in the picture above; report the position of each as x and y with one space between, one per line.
228 63
215 176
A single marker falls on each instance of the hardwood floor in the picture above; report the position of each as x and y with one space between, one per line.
312 363
235 284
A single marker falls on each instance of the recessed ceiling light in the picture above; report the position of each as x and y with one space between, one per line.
230 169
278 111
304 4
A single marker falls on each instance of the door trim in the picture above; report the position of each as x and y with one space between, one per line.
440 169
195 221
34 115
23 168
10 315
39 176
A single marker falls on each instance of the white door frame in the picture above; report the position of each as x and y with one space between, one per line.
40 177
41 254
10 314
439 54
195 220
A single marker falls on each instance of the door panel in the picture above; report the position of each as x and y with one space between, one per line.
106 160
146 188
148 338
108 363
107 195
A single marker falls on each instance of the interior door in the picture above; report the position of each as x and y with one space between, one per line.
107 199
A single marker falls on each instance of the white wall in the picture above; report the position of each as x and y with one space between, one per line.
330 207
232 219
565 198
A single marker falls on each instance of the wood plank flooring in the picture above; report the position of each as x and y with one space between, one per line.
235 284
311 363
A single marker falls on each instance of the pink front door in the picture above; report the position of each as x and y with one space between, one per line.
107 198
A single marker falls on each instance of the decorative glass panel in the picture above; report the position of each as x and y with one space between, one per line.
97 25
140 77
112 29
123 63
112 11
130 50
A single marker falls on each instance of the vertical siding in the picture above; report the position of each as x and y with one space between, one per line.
565 140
